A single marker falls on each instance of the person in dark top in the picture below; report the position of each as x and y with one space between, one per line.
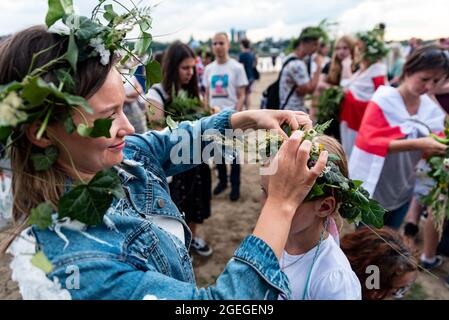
248 59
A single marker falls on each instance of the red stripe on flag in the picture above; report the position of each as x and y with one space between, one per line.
375 132
378 81
352 111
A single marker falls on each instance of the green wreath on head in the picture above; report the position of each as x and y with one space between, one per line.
375 48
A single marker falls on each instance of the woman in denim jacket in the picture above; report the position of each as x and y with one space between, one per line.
141 249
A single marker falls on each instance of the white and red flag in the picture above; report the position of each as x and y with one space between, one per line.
387 119
359 90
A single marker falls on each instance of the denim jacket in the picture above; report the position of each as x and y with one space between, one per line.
130 257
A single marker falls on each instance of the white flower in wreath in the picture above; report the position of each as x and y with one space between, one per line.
373 50
98 45
446 163
10 115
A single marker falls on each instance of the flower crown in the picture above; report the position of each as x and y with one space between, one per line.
375 47
35 99
356 204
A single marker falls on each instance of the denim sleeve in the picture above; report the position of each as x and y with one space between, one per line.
180 149
252 274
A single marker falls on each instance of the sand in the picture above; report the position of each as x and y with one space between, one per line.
231 222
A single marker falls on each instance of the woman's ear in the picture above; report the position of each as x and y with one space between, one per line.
326 207
31 133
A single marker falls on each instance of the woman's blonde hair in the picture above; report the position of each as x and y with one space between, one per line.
334 75
31 187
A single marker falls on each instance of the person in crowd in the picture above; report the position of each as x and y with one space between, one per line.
248 59
295 82
312 258
190 190
395 71
226 82
140 248
359 88
390 143
384 264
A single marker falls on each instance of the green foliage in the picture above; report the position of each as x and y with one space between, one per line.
356 204
374 45
329 105
44 161
41 261
41 216
437 198
88 203
153 73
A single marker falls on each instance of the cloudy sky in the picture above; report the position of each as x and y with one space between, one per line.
179 19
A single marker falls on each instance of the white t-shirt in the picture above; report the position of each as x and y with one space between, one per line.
331 279
223 80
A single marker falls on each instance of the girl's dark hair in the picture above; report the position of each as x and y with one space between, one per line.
173 57
394 259
431 57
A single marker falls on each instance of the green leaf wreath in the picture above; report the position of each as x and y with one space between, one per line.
356 204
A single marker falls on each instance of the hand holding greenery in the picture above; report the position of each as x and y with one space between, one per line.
437 199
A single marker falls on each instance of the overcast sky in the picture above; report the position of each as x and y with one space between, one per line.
179 19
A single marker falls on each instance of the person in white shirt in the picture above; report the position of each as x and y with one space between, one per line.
312 259
225 80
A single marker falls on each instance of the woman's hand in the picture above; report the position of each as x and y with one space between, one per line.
271 119
431 147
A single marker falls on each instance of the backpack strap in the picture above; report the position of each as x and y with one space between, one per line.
294 86
159 92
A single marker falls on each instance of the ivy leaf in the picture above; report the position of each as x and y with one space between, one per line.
101 128
69 125
36 90
41 261
171 123
83 130
143 43
153 73
373 214
41 216
359 198
88 203
57 9
316 192
4 134
12 86
78 101
88 29
44 161
65 77
109 14
72 51
357 183
333 157
349 211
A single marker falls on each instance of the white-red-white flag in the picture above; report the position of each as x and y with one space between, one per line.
387 119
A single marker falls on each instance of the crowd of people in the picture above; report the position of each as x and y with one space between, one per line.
296 250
